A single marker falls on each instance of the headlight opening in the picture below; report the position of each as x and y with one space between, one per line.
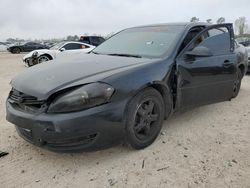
82 98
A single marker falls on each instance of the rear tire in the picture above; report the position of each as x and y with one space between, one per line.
144 118
16 51
237 83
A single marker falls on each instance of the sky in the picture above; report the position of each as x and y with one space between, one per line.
46 19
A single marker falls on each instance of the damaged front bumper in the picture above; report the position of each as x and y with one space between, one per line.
30 61
92 129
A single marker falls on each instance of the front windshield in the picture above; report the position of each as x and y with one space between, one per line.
57 46
151 41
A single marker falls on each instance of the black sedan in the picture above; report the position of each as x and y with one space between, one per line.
26 47
126 87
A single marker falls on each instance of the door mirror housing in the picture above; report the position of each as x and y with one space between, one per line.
62 49
200 51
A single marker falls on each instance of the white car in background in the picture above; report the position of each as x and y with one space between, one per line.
3 47
62 49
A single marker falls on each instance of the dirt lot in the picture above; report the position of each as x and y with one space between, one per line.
205 147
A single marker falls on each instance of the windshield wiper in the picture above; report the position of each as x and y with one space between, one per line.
94 52
126 55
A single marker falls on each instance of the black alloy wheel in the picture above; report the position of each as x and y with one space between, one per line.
16 50
144 119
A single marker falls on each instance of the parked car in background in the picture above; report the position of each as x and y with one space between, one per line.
127 86
26 47
49 44
60 49
3 47
92 40
248 50
245 41
8 43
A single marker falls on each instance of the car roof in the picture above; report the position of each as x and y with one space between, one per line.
78 43
91 36
186 25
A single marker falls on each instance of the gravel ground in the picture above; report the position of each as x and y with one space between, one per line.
204 147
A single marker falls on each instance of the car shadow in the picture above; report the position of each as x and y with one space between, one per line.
120 150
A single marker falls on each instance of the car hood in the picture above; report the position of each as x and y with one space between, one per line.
45 79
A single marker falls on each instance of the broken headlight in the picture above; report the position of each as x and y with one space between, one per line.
35 54
82 98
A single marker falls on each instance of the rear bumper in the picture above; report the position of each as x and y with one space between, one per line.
91 129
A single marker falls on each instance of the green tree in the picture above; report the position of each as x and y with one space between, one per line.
209 20
72 38
221 20
194 19
241 25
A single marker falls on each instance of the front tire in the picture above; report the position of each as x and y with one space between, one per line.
42 59
144 118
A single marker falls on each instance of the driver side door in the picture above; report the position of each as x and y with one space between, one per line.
29 47
205 79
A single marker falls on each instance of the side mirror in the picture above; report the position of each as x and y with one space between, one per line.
62 49
200 51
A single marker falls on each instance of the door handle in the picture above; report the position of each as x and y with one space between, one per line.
227 63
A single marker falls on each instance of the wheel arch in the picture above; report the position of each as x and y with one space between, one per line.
242 69
16 47
165 92
47 55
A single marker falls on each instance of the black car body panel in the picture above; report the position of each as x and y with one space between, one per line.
27 47
68 132
183 80
98 67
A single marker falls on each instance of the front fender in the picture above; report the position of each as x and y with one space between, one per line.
127 84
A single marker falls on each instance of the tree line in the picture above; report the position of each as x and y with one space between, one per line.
240 24
240 27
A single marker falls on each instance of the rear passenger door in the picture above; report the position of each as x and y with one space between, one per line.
29 47
207 78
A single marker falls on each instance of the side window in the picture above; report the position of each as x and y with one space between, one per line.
214 32
216 39
72 46
191 34
82 46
